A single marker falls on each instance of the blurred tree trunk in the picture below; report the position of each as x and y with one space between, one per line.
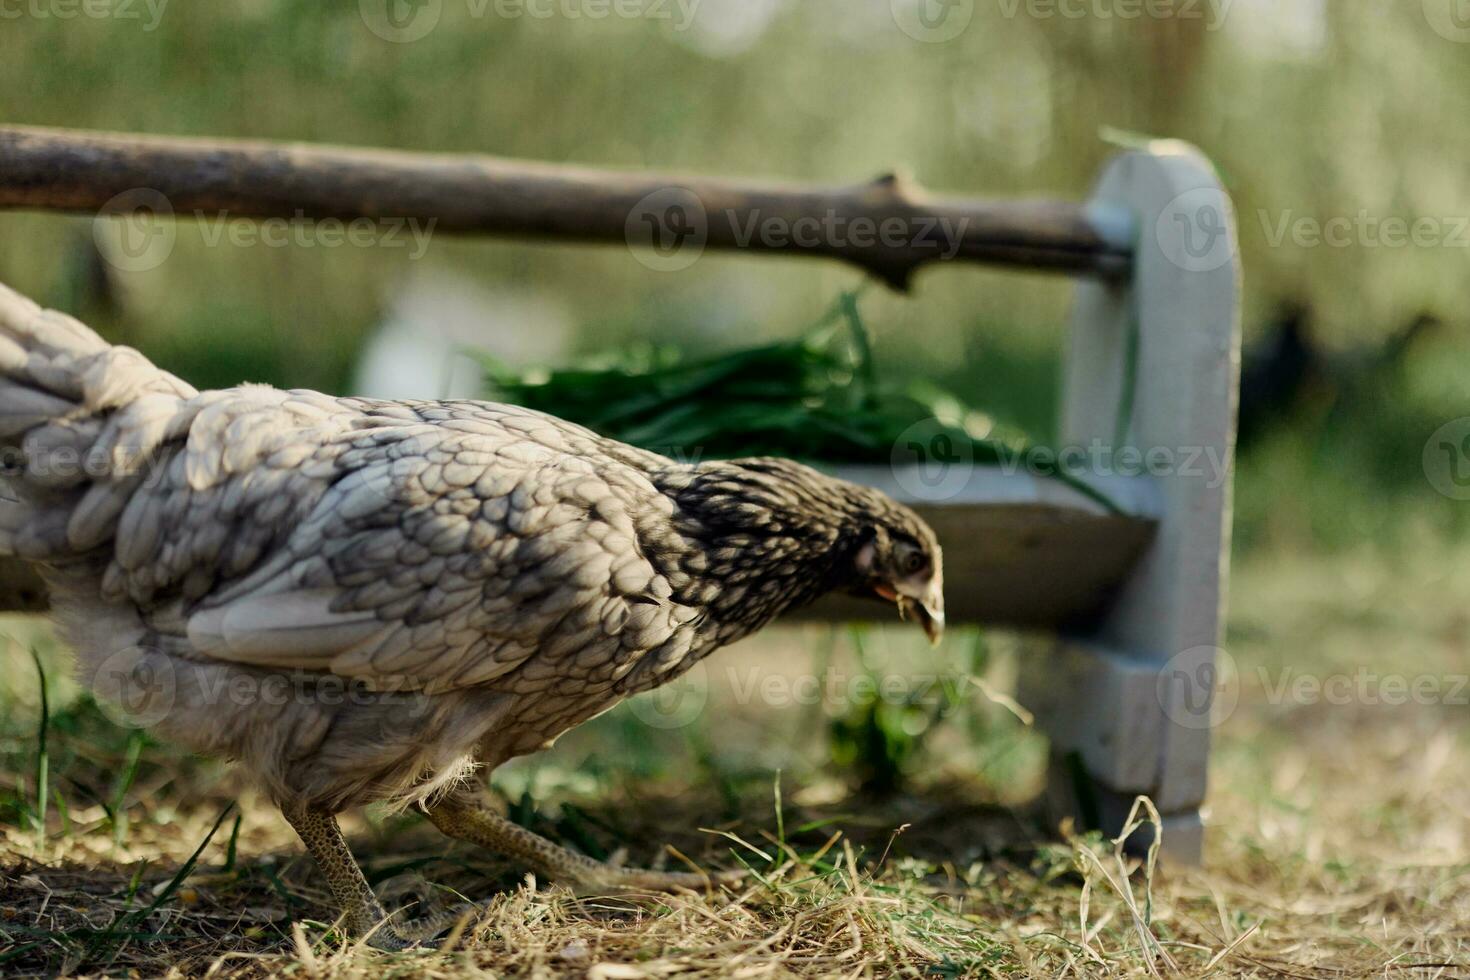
1175 53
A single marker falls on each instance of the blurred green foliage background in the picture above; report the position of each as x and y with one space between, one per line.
1310 109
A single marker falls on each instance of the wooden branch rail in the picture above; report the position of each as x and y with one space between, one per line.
888 227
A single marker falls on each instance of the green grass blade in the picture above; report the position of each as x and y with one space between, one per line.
232 849
43 759
62 810
125 783
124 924
18 952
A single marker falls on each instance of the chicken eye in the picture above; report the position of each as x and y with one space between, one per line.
914 563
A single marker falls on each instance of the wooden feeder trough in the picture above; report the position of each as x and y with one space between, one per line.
1133 598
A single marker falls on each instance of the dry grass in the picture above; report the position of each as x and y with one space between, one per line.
1340 848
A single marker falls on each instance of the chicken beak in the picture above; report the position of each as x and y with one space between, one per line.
929 611
933 622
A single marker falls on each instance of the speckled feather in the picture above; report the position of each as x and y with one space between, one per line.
485 575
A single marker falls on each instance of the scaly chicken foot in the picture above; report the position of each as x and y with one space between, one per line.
465 816
363 914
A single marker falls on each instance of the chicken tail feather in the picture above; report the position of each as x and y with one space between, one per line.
79 418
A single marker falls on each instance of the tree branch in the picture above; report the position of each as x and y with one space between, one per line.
887 227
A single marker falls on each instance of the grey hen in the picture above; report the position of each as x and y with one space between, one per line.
363 600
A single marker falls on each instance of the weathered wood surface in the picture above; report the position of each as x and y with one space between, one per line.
1132 699
72 170
1019 550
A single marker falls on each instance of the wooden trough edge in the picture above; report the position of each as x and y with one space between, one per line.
1019 550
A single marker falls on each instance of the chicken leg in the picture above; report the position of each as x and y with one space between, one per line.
465 816
363 913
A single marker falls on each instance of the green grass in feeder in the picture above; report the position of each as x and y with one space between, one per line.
818 398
